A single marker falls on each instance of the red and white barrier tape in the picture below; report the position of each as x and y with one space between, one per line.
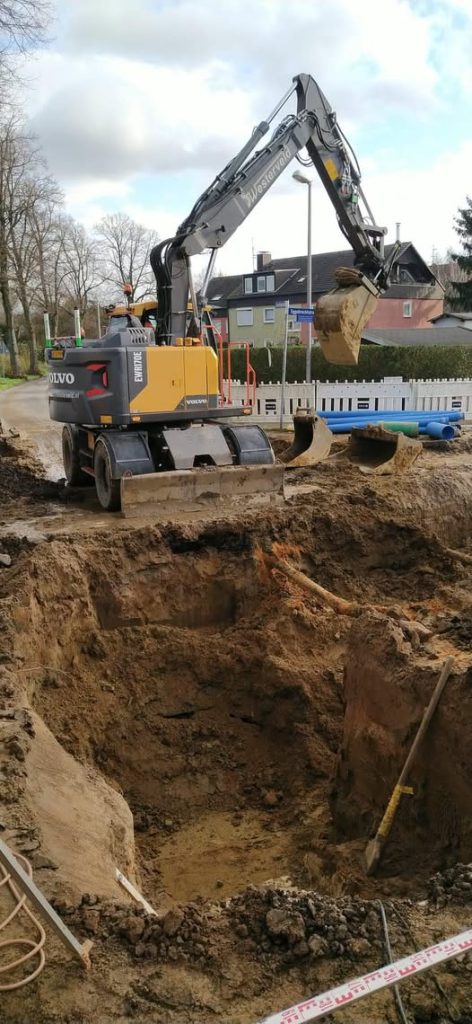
385 977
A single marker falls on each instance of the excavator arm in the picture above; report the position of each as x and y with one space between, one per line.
224 206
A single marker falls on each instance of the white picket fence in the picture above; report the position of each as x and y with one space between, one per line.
355 396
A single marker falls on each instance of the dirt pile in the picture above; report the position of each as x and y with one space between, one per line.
452 886
171 708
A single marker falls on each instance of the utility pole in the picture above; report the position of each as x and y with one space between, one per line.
304 180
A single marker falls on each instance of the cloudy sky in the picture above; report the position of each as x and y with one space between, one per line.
138 105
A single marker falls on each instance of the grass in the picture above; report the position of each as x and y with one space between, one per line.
11 382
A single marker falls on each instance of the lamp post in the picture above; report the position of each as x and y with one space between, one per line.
304 180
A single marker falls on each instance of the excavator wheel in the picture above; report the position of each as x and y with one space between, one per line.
73 471
108 489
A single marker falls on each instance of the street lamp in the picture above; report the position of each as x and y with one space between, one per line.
304 180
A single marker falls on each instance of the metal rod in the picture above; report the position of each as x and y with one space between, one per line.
282 103
207 278
284 370
47 329
309 290
193 294
38 900
77 329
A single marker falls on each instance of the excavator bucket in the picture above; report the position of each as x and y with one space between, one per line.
342 314
377 450
194 490
312 440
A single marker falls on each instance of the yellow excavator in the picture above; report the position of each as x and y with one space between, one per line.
143 413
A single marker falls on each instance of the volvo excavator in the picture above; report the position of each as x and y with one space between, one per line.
142 408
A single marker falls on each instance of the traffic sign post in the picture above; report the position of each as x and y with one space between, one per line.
284 369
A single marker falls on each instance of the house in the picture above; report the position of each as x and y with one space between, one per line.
409 337
451 319
251 306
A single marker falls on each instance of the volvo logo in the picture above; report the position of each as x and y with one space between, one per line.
61 378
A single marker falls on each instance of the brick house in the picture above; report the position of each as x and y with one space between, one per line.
250 307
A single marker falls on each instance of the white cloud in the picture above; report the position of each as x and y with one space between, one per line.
170 89
178 83
423 206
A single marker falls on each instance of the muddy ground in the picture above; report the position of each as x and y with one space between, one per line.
174 707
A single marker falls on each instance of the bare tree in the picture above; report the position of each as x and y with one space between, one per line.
26 256
50 229
16 156
23 26
125 247
82 275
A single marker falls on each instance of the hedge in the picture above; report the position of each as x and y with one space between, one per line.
375 362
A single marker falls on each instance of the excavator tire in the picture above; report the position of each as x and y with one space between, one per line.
311 443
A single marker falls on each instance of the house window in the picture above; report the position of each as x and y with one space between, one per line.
269 315
407 308
261 284
292 325
244 317
248 285
270 282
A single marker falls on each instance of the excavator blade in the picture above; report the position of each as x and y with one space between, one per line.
193 490
341 316
312 440
377 450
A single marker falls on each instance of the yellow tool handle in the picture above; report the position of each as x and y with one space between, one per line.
391 809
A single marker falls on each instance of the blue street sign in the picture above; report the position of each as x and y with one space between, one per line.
294 310
304 316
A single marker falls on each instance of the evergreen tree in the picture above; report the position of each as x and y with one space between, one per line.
461 291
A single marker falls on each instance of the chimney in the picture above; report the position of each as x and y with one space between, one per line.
398 226
263 260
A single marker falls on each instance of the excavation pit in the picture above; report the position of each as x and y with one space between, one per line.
230 742
212 696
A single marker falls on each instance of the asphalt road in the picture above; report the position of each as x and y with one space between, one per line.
25 408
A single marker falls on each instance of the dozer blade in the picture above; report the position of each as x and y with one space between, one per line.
312 440
341 316
377 450
195 489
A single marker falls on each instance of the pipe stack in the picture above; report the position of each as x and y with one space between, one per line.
436 425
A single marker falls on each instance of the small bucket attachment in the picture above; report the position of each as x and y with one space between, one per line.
377 450
312 441
342 314
192 490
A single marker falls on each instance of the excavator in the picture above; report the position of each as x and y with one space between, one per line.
141 406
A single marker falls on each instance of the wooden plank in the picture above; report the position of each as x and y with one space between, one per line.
134 892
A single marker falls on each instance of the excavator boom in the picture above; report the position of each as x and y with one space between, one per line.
241 185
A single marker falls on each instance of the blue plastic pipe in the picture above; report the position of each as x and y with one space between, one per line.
441 431
452 416
345 426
